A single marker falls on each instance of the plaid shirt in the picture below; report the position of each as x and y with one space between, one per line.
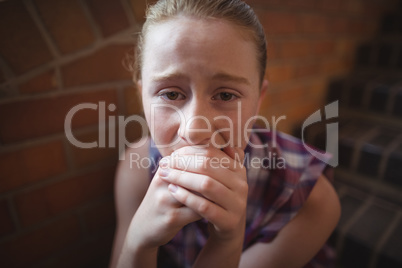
281 174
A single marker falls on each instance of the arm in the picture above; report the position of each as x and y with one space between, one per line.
303 236
221 253
131 185
148 215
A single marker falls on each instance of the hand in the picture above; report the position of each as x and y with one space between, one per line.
159 217
213 183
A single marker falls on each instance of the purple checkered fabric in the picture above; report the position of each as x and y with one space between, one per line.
281 174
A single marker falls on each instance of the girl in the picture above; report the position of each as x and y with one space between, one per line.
214 199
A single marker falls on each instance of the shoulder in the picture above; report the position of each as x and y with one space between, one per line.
303 236
285 182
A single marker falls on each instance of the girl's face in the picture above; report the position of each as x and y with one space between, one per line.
200 83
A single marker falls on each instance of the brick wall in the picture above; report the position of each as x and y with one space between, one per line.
56 200
309 43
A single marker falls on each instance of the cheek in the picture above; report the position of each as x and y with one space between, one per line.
163 123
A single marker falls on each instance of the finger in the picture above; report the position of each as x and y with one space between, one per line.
209 188
236 153
201 162
213 168
185 215
198 204
161 194
207 153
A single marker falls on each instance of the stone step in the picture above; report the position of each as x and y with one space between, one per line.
369 148
375 92
369 233
392 22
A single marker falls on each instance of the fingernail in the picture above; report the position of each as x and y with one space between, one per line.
164 172
163 163
173 188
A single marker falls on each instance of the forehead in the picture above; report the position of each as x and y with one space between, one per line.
214 43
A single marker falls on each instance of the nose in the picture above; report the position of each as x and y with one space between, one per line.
197 127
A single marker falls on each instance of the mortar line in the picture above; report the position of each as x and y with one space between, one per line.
129 12
42 29
92 22
122 37
384 238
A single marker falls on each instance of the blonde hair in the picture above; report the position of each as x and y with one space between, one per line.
234 11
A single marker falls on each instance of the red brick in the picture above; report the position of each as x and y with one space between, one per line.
44 82
323 48
306 4
91 253
339 25
34 118
335 66
276 22
65 195
104 65
85 157
363 28
317 90
31 164
346 47
301 111
268 101
101 218
280 97
314 23
22 45
295 49
273 49
67 24
6 223
253 3
306 70
354 6
277 74
329 5
109 15
132 100
295 92
29 249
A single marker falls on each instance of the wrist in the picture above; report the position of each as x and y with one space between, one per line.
133 255
236 234
233 239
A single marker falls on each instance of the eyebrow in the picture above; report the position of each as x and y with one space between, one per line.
230 78
221 76
169 77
